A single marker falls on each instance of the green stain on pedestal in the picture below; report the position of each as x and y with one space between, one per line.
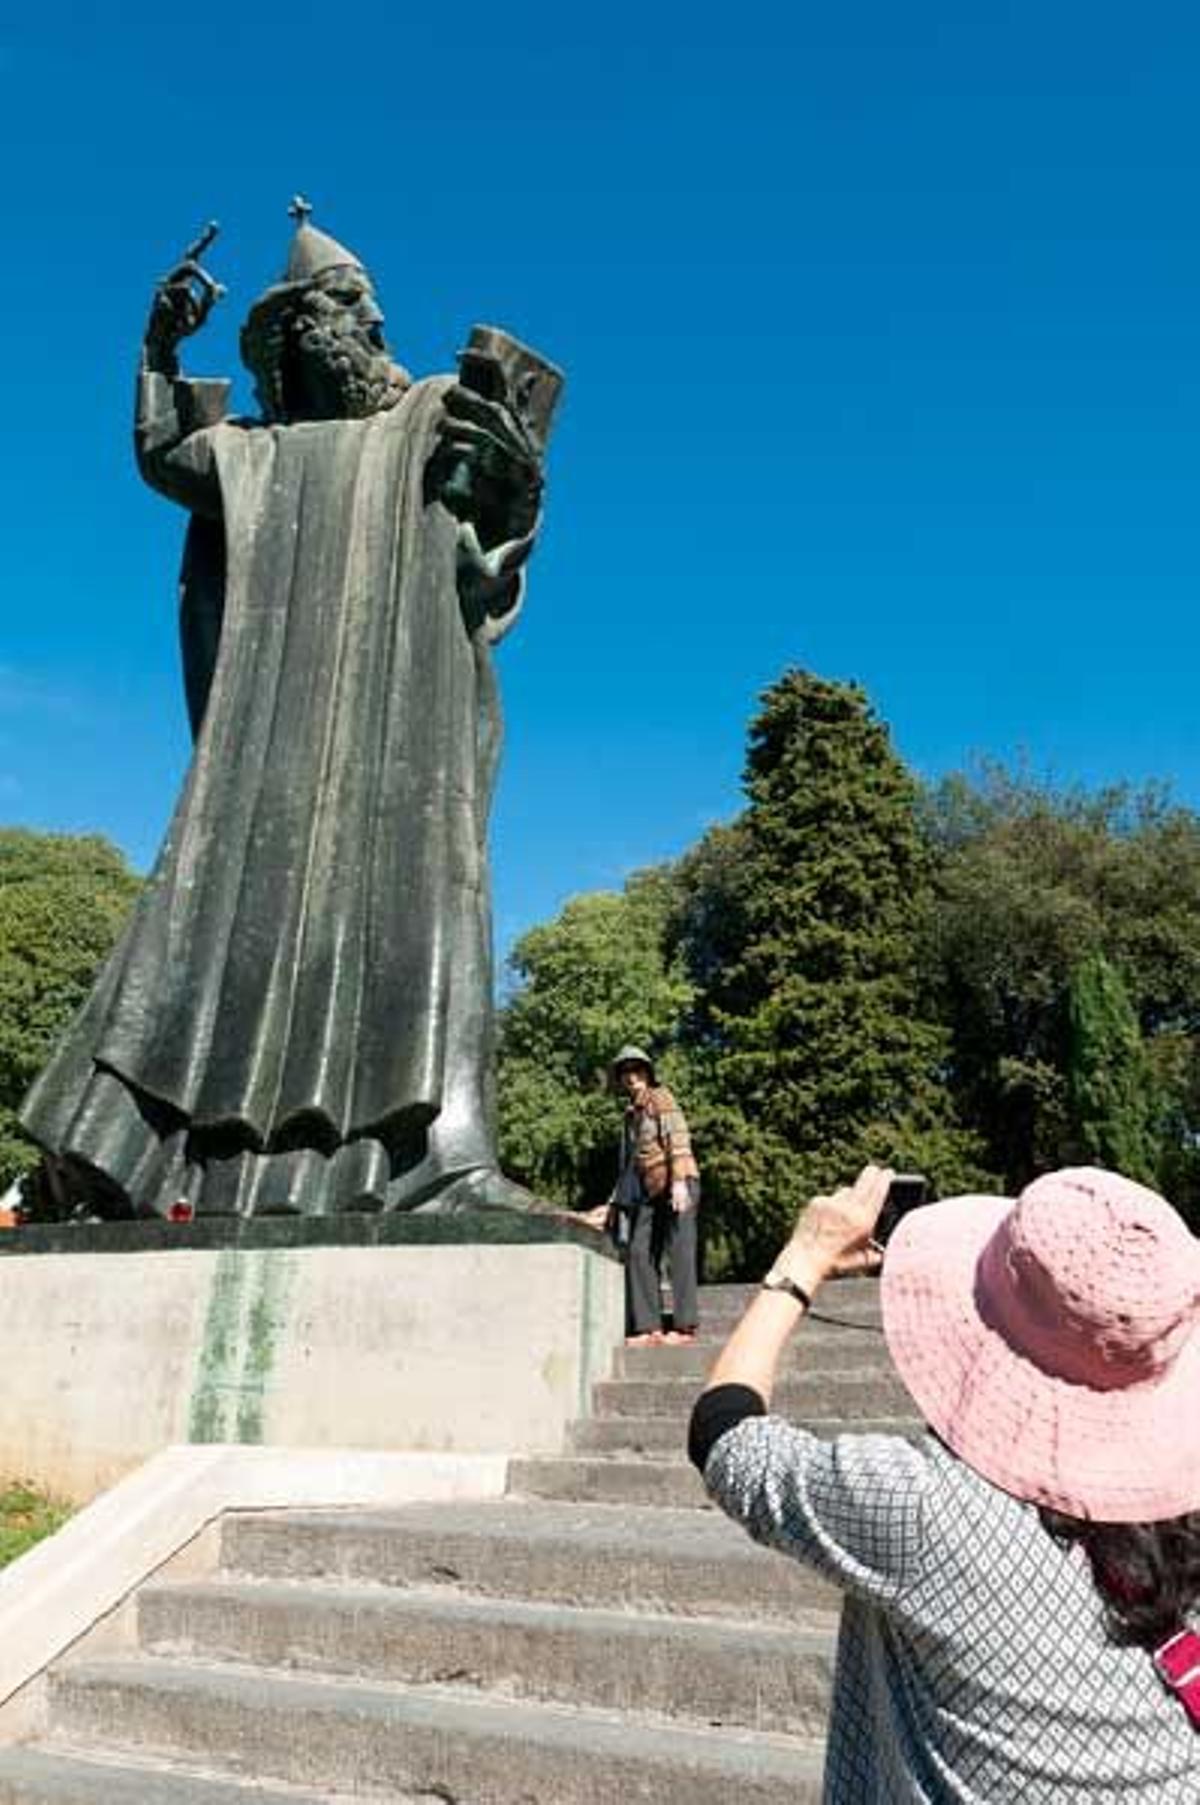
247 1309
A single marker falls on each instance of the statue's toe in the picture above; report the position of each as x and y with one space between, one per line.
485 1188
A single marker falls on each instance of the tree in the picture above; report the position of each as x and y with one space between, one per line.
63 899
1033 885
597 976
1109 1084
1009 918
816 1051
983 980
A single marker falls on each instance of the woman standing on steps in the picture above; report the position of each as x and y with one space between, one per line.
1022 1586
653 1208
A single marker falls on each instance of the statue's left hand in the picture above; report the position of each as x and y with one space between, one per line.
485 439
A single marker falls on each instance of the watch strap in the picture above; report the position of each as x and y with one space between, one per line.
778 1281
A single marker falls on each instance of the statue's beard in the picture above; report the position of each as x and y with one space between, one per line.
346 377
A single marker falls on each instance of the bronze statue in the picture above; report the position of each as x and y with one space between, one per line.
299 1016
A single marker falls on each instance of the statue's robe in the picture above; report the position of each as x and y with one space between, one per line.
299 1014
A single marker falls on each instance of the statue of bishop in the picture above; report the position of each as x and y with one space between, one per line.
298 1018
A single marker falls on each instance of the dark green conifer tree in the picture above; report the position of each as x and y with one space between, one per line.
1112 1101
822 1054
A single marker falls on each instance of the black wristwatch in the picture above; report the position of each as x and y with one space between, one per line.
780 1282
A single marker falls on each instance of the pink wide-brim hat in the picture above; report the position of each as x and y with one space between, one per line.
1054 1343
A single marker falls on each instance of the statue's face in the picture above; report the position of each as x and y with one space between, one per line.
351 290
337 366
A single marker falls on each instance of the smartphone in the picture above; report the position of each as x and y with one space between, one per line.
907 1191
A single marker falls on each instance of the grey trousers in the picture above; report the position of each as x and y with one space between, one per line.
657 1231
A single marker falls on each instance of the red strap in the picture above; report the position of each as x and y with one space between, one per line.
1178 1662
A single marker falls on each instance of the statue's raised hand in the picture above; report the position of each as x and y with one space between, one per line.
182 302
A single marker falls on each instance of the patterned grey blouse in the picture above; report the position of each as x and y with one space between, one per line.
972 1664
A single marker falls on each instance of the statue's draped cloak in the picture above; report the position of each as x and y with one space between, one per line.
271 1032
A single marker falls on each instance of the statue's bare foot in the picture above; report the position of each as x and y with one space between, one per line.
485 1188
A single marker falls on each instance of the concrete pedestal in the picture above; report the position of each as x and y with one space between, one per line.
428 1345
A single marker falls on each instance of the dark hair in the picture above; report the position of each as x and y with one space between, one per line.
264 341
1147 1574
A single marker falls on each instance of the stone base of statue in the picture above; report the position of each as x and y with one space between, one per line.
457 1333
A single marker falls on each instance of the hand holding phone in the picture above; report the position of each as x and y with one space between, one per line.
907 1191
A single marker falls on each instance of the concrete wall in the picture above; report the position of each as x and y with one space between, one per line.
109 1358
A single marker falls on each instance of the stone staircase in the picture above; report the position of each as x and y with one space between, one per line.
595 1636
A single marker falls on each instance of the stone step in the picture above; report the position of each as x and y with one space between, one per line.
42 1776
858 1347
688 1562
831 1309
666 1436
855 1293
760 1676
626 1478
655 1435
491 1751
608 1479
846 1396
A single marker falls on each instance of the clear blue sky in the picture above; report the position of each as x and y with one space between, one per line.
880 327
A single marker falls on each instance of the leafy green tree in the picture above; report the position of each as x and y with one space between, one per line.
1031 883
857 968
63 899
816 1052
1174 1061
593 978
1010 916
1109 1084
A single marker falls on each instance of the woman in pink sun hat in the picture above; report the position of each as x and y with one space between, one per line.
1022 1584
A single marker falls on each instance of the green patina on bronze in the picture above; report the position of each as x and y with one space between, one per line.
267 1311
247 1308
216 1351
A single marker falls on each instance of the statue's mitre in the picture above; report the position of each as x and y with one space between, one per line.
314 252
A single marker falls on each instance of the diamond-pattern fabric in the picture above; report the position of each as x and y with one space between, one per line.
972 1662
